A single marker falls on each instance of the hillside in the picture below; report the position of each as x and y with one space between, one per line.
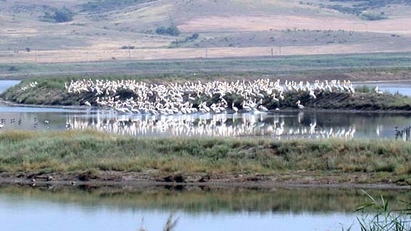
101 30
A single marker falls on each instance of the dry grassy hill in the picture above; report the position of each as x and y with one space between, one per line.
105 29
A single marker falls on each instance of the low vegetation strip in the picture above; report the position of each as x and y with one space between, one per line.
72 151
329 65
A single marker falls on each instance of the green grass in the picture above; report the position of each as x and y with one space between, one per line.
364 89
72 151
278 65
378 215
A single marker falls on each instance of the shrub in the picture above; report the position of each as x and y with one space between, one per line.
194 36
171 30
13 68
59 15
370 16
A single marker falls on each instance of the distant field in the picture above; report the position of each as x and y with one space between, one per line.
378 66
225 29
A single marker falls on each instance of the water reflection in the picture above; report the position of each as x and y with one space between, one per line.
276 125
197 208
208 199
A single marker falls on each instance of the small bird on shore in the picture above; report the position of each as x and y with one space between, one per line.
235 109
377 90
300 106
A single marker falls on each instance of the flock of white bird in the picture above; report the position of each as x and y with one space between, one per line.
215 108
30 85
134 97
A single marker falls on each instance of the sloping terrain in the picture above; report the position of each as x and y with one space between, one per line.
103 30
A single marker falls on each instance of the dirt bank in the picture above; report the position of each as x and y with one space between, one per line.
297 179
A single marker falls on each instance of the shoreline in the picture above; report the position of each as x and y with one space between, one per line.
291 178
363 100
94 108
250 181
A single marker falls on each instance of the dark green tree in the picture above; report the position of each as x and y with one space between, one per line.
63 15
58 15
171 30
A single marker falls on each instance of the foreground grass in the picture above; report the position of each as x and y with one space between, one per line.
72 151
378 215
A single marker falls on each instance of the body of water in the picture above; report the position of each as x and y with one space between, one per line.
277 125
397 87
24 208
49 209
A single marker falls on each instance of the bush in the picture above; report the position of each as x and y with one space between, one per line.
171 30
13 68
63 15
128 47
194 36
364 89
59 15
372 16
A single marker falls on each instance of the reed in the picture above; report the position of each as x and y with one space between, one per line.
379 216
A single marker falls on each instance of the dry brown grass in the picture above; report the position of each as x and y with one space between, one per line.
261 23
106 54
87 39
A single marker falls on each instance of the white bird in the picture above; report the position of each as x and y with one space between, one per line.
377 90
312 94
300 106
262 108
235 109
142 228
87 104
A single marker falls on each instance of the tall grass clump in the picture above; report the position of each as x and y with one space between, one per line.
378 216
364 89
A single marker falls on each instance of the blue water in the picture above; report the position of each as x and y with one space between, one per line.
400 87
277 125
24 213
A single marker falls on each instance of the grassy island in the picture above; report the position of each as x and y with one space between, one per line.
56 92
90 155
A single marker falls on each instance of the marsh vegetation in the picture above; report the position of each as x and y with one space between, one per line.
259 159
